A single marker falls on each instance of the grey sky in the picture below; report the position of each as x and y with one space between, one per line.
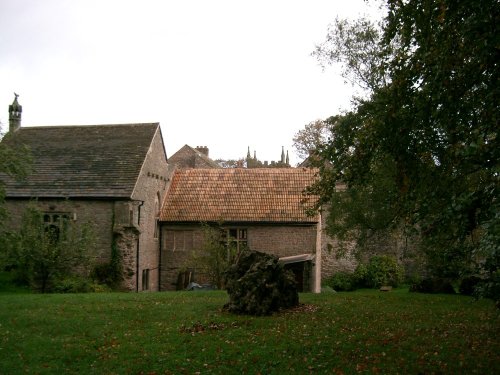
225 74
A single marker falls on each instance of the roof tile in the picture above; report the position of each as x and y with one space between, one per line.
81 161
243 195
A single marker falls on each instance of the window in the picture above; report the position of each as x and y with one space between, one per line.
157 216
145 279
179 240
236 237
55 223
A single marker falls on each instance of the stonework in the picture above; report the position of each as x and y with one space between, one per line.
119 189
149 192
97 212
279 240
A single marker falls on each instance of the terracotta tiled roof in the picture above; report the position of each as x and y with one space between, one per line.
82 161
239 195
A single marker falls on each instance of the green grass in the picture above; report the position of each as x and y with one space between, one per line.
186 332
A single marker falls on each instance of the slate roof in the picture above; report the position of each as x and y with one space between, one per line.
82 161
188 157
272 195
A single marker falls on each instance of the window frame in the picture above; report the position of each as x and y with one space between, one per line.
237 236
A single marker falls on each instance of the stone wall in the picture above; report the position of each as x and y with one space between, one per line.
149 193
343 259
283 240
280 240
97 212
128 224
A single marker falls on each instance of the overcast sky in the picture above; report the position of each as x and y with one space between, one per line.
225 74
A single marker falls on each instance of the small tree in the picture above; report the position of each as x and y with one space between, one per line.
41 255
215 256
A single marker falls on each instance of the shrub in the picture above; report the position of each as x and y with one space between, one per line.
360 276
39 255
468 285
72 285
109 274
383 270
433 285
490 288
342 281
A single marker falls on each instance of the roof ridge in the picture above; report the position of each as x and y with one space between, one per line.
88 125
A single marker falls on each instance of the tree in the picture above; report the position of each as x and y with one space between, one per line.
42 255
231 163
216 255
310 138
421 153
356 46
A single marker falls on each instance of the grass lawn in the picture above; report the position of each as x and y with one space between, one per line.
187 333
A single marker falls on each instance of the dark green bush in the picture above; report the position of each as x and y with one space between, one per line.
108 274
342 281
433 285
468 285
78 285
360 276
490 288
383 270
72 285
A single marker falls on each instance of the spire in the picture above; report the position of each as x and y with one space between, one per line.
254 155
15 110
287 158
248 153
282 154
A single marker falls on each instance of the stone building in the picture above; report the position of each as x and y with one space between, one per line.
253 162
189 157
262 208
114 176
151 210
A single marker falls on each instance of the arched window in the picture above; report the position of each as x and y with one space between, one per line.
157 215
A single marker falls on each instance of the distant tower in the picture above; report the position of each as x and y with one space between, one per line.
283 154
287 158
248 153
15 110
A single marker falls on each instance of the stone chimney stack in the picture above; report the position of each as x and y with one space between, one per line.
15 111
202 149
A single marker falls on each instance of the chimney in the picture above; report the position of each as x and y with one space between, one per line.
202 149
15 110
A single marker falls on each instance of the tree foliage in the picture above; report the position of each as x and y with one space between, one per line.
257 284
356 46
231 163
43 256
309 139
421 153
215 256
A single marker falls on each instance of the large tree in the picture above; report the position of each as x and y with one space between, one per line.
421 152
